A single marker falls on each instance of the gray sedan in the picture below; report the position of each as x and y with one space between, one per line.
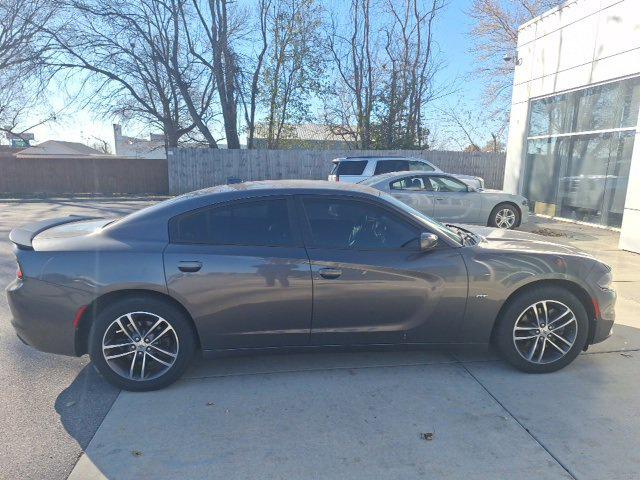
296 264
448 199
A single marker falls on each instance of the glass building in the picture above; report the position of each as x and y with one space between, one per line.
579 149
574 134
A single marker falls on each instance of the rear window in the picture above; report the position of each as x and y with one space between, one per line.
259 222
386 166
349 168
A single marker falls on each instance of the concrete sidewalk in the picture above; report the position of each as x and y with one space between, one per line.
362 416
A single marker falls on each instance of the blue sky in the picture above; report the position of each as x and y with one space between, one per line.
451 34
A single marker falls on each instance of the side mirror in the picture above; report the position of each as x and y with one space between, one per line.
471 189
428 241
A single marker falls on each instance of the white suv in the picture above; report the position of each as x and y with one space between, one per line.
357 169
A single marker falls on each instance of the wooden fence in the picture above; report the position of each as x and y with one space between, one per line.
195 168
97 175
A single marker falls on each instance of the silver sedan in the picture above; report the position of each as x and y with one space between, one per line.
446 198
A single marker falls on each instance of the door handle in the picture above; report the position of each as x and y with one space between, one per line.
189 266
330 273
440 198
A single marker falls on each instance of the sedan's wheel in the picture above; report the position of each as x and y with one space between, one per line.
141 343
545 331
140 346
505 216
542 330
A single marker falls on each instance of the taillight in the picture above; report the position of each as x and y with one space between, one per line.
337 178
19 273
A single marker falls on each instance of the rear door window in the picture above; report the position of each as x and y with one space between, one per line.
386 166
349 168
420 166
258 222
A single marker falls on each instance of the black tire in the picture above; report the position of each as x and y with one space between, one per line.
505 329
170 314
493 217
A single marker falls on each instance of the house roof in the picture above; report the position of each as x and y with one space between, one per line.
56 148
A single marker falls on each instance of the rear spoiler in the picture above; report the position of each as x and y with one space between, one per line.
23 236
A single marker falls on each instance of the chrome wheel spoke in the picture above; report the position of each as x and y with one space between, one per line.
133 323
556 346
561 338
528 337
560 317
533 349
133 366
544 344
144 361
163 351
118 355
118 345
571 320
161 334
158 360
124 330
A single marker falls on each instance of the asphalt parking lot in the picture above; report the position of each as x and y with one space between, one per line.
375 414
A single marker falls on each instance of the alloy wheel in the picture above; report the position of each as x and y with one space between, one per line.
140 346
505 218
545 332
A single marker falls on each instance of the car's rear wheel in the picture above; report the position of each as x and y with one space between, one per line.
505 216
141 343
542 330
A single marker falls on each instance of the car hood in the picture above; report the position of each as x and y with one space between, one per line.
524 242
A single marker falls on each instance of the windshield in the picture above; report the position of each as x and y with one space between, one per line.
437 227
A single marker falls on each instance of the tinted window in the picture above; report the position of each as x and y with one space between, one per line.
386 166
260 222
446 184
420 166
349 168
357 225
416 183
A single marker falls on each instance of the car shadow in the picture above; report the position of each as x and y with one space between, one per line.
84 404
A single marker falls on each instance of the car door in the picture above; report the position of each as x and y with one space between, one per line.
415 191
241 270
453 202
371 282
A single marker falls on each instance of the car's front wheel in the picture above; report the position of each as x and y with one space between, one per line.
542 330
141 343
505 216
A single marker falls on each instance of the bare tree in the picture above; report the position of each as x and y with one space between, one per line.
411 66
250 90
130 54
219 22
294 65
495 35
351 100
22 52
100 144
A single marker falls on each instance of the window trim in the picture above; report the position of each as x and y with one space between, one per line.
293 222
423 177
450 177
308 236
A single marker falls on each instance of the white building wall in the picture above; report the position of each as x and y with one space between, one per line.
580 43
